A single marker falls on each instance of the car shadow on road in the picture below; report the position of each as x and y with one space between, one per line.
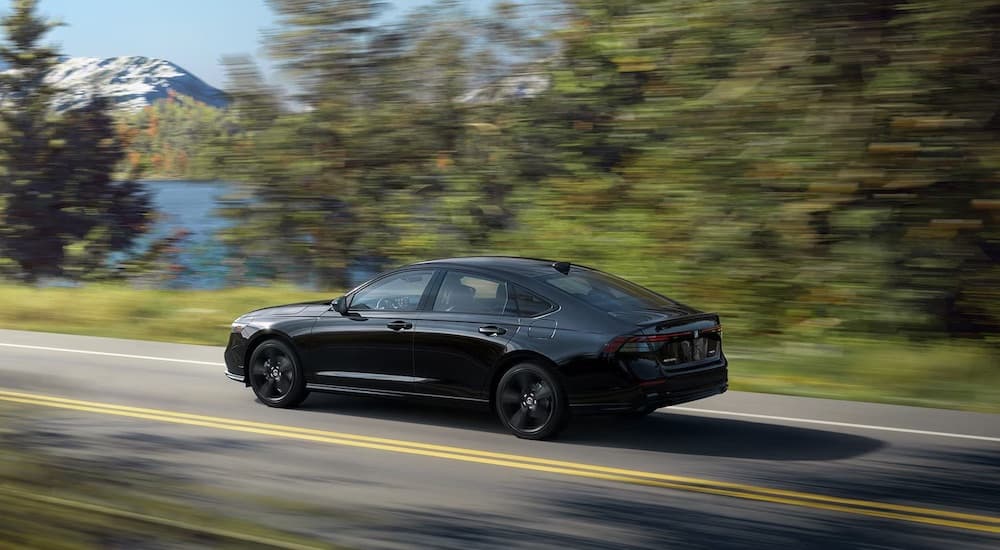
430 413
663 431
679 433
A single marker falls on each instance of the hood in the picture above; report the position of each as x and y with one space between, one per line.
304 309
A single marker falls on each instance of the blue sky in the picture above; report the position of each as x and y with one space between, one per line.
194 34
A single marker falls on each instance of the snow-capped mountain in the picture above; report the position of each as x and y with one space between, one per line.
130 83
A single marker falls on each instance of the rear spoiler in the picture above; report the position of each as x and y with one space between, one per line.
695 321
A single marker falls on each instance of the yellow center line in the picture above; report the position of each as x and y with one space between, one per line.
916 514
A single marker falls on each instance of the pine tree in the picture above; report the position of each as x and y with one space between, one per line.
62 212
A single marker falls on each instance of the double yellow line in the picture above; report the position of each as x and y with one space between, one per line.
943 518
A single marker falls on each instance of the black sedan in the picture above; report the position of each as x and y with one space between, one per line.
532 339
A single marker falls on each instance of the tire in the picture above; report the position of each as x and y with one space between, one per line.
275 375
531 402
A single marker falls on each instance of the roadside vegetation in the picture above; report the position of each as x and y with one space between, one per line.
184 316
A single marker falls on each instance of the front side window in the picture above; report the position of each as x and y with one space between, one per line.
464 293
399 292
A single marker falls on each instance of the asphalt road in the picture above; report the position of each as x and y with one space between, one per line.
734 471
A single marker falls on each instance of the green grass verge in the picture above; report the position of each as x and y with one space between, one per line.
948 374
944 374
186 316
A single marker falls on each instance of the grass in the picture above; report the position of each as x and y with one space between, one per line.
185 316
943 374
946 374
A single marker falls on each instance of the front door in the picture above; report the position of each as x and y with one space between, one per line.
371 348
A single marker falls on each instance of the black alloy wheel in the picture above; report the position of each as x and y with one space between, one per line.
530 402
275 375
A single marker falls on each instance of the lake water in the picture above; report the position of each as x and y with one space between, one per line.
202 260
190 207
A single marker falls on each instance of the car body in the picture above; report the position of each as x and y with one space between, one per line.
577 340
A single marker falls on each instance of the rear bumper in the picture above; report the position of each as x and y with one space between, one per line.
673 389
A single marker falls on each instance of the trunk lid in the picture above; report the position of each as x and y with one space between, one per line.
673 343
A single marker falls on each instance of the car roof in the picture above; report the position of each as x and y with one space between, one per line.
529 267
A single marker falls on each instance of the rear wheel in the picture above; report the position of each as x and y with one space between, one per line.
275 375
530 402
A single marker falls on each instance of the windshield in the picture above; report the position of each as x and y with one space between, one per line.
607 292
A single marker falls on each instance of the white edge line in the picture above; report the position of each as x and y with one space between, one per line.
674 408
108 354
832 423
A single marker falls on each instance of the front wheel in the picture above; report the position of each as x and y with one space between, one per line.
530 402
275 375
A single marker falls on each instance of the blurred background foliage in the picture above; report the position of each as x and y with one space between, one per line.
800 165
816 172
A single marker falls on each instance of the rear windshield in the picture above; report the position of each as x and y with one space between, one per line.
607 292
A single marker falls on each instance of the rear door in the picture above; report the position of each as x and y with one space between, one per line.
459 339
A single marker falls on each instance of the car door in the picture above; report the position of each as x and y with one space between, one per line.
371 347
461 335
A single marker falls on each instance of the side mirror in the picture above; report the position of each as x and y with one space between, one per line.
340 305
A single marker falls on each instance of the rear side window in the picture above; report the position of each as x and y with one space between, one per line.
464 293
524 303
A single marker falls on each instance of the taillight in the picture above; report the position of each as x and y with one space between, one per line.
652 342
615 344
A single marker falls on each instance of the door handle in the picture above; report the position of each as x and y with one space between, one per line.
399 325
492 330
